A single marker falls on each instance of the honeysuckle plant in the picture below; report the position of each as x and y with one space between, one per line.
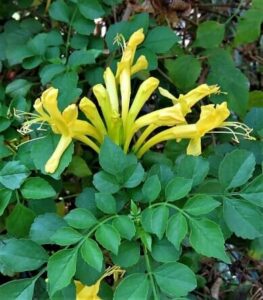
120 119
107 195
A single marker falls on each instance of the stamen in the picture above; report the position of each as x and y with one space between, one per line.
25 129
120 41
29 141
19 114
236 125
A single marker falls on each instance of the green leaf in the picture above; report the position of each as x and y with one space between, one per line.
184 71
192 167
48 72
177 229
178 188
65 236
128 254
124 226
254 119
236 168
108 237
59 11
92 254
38 44
54 38
32 62
19 221
79 42
79 167
112 2
207 239
60 269
230 79
68 90
255 99
135 178
4 123
112 158
133 287
69 292
244 219
145 237
37 188
210 34
254 191
80 218
18 87
13 174
175 279
22 289
86 199
44 227
248 27
5 196
106 203
154 220
4 150
163 251
94 75
105 183
200 205
22 255
83 57
40 157
160 39
151 188
256 249
90 9
82 25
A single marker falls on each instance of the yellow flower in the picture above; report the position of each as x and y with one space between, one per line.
85 292
119 117
65 124
170 116
211 117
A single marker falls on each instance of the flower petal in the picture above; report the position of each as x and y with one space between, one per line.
53 162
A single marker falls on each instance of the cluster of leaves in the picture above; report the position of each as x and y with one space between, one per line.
175 206
156 218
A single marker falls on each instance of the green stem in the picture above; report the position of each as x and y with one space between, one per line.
69 31
90 232
236 13
17 196
174 207
148 266
41 272
100 223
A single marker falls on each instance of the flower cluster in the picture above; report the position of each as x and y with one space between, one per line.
118 117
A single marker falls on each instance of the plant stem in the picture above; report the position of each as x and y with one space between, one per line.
174 207
69 31
148 266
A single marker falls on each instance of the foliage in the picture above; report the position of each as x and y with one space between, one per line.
162 218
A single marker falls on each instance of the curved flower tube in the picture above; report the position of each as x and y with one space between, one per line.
66 124
211 117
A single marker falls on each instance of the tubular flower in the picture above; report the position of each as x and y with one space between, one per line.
119 117
211 117
64 123
85 292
